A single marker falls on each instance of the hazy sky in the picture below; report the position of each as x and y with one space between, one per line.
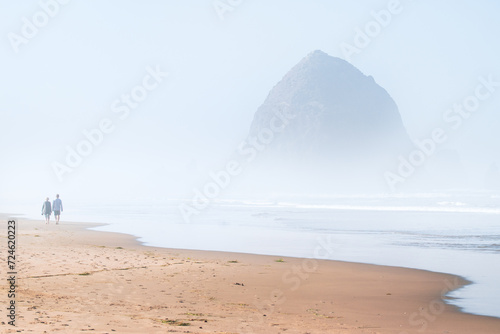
72 72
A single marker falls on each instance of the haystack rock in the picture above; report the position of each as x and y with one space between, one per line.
340 126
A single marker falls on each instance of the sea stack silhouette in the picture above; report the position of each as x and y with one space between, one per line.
327 127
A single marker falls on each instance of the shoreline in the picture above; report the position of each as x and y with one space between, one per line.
297 294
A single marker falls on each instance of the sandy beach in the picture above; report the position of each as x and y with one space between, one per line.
73 280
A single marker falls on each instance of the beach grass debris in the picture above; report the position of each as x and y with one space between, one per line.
84 274
232 261
312 310
118 247
194 314
198 319
175 322
279 260
317 313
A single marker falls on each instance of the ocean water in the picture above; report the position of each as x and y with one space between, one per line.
456 233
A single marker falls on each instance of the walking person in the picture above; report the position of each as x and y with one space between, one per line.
46 210
57 207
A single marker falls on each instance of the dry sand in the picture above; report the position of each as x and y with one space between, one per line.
73 280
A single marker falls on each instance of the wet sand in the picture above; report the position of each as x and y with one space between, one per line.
73 280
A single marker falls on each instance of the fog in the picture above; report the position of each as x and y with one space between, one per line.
154 99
